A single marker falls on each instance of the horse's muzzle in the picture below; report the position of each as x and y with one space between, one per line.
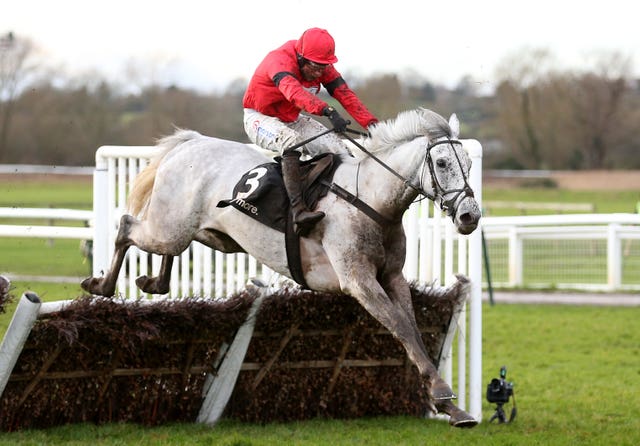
467 215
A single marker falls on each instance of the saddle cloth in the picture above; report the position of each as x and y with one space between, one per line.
261 194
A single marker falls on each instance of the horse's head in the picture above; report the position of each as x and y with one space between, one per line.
449 166
441 173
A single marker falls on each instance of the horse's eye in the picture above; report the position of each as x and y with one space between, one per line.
441 163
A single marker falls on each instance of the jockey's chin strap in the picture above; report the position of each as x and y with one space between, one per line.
445 205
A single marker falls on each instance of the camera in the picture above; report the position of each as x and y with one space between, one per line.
499 390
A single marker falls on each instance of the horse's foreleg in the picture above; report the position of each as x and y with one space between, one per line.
160 283
400 294
397 288
457 416
395 318
106 285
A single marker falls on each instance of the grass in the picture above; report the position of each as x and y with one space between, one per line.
576 369
576 372
38 256
605 202
48 191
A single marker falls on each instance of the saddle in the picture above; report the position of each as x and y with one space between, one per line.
261 195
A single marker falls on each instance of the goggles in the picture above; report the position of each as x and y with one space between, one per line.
314 65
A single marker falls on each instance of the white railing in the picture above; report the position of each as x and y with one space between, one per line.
47 231
434 254
581 251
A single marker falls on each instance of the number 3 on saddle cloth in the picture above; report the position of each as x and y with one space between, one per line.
260 194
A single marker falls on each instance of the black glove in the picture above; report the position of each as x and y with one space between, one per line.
339 123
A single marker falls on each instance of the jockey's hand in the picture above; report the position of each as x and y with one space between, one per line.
339 123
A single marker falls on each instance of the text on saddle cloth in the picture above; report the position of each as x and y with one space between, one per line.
261 194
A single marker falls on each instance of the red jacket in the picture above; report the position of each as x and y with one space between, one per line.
278 89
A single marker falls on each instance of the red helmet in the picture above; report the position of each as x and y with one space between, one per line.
317 45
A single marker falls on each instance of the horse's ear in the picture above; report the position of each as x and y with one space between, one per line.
454 123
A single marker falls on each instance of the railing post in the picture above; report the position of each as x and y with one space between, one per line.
515 257
614 262
100 217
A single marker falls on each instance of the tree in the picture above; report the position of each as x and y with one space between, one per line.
382 94
553 119
520 104
600 110
15 69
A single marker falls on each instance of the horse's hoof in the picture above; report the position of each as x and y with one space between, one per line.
151 285
144 282
95 286
90 284
440 390
457 416
463 422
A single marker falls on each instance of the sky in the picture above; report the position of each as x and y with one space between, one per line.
207 44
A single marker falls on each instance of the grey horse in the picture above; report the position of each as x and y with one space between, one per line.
173 202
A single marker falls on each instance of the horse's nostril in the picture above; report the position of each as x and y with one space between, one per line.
466 218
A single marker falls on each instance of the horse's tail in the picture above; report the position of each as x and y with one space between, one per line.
140 194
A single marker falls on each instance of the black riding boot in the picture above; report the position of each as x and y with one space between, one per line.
303 218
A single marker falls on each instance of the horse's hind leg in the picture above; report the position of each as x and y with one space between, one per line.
106 285
160 283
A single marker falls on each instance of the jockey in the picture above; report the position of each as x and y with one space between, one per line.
287 82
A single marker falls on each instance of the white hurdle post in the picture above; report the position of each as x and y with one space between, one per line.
23 319
475 275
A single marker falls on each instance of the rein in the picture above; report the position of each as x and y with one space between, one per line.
406 182
446 205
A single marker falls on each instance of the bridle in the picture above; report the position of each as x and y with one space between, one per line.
446 205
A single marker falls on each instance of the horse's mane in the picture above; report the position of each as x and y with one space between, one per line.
405 127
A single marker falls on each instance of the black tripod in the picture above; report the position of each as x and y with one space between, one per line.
501 416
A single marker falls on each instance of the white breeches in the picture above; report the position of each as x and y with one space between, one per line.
272 134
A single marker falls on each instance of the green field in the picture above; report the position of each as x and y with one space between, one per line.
43 192
576 372
603 201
